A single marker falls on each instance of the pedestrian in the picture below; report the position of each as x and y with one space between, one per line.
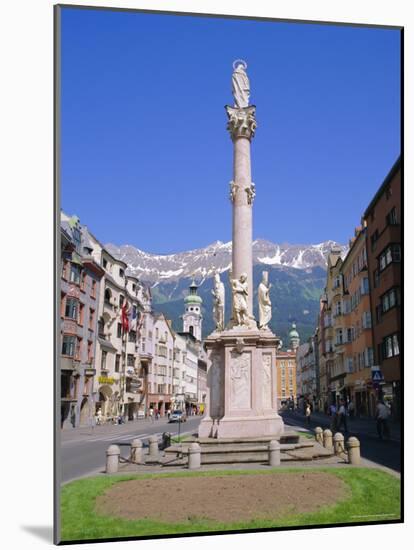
73 417
334 418
99 417
151 414
351 409
308 414
381 416
168 413
342 416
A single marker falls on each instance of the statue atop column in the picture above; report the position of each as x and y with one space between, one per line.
241 84
265 305
240 294
218 306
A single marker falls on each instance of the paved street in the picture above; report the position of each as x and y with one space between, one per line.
384 453
83 449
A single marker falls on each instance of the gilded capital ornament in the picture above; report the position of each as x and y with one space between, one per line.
242 121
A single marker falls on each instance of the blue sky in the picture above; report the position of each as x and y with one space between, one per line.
147 160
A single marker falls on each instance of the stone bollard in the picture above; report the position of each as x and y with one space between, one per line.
112 459
354 450
137 456
327 439
153 447
194 456
166 440
274 453
319 435
339 447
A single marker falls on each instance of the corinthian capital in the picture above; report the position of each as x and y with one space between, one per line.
242 122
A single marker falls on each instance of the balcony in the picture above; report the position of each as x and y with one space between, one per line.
68 363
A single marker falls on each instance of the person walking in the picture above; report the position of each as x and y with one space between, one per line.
308 414
151 414
381 416
342 416
351 409
334 419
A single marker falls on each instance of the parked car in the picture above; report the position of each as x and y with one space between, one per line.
178 416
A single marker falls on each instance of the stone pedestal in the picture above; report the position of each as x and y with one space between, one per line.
241 383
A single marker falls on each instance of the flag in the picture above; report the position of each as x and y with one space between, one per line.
132 318
124 317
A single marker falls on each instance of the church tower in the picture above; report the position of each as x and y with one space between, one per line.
192 318
294 339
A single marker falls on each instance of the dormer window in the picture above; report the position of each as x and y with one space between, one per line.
121 273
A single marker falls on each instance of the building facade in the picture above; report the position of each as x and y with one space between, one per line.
383 220
80 285
160 377
358 341
286 377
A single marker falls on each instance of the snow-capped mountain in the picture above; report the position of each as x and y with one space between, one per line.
203 262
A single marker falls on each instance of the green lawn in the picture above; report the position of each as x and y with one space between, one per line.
374 496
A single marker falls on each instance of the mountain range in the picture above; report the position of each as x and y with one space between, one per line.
297 274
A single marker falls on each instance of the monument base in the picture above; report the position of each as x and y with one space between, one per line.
247 426
241 379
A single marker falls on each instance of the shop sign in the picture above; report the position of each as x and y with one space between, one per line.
106 380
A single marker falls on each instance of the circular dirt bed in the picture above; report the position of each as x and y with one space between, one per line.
228 498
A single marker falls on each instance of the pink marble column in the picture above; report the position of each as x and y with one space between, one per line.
242 125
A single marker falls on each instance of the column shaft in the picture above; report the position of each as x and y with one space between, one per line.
242 215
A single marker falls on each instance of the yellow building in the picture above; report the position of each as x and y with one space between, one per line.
286 377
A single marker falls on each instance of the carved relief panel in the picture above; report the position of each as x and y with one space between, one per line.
267 381
240 380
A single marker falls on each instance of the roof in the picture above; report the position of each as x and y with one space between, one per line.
396 167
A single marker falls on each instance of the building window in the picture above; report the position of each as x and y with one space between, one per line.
121 300
392 217
90 351
68 345
104 263
366 319
368 357
117 362
390 346
365 286
75 273
339 337
91 318
83 281
338 308
103 360
93 289
107 297
132 336
391 254
119 330
130 360
71 309
121 273
389 300
101 328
